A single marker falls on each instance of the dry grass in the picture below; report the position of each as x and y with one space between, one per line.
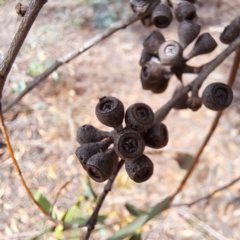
42 129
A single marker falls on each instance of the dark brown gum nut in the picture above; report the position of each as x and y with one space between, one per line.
161 86
129 144
151 73
174 3
139 170
88 133
110 111
145 57
217 96
86 150
187 32
204 44
139 117
21 9
231 32
170 53
101 166
194 103
152 42
157 136
162 16
186 11
143 7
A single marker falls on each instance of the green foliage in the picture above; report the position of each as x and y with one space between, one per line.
17 86
140 220
133 210
42 201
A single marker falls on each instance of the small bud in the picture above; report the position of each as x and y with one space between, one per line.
101 166
156 136
204 44
110 111
194 103
139 170
162 16
182 102
217 96
21 9
170 53
86 150
139 117
128 144
186 11
152 42
187 32
88 133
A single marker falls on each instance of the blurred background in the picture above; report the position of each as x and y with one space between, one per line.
43 126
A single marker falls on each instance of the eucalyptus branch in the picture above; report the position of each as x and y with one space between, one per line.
207 197
70 56
91 222
195 85
25 25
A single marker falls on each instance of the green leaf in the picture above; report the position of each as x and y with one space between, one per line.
74 234
69 214
136 236
184 160
139 221
58 232
101 218
42 200
133 210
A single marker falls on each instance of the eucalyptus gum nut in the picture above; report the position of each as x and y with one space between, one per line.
162 16
143 7
161 86
145 57
139 117
217 96
229 34
170 53
110 111
157 136
139 170
101 166
86 150
151 72
128 144
185 11
187 32
152 42
88 133
204 44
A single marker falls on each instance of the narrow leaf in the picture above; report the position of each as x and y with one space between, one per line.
136 236
139 221
133 210
42 200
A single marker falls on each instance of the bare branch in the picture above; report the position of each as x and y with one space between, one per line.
195 161
161 113
93 219
70 56
207 197
26 24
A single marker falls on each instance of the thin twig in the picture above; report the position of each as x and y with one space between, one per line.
70 56
207 197
161 113
59 192
91 222
15 164
25 26
195 161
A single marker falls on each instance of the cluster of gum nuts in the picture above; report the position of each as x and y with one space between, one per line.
100 160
